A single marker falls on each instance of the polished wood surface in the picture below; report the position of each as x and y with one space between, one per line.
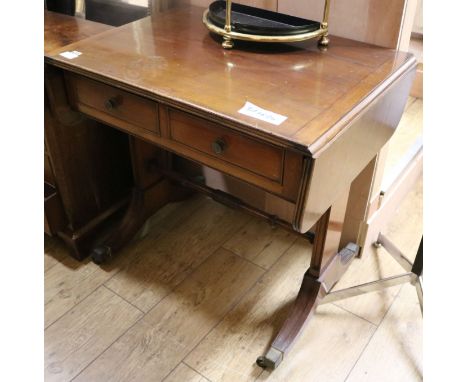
61 30
180 64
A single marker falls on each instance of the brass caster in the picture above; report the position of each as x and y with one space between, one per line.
261 361
227 43
101 254
271 360
377 244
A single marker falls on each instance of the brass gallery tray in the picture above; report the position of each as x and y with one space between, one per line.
241 22
245 19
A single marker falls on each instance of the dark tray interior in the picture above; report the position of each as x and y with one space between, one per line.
245 19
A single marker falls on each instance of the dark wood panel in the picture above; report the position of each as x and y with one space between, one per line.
48 172
54 215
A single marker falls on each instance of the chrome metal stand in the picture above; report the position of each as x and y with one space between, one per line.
413 275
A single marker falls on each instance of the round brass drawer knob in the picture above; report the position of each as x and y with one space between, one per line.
111 103
218 146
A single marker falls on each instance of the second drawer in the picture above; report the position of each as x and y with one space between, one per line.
245 152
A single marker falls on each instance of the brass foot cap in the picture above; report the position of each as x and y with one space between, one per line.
324 41
228 44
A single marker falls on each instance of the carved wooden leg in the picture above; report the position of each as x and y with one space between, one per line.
312 290
151 191
323 274
142 205
306 302
125 230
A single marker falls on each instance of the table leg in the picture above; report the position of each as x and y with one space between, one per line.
135 216
319 279
151 191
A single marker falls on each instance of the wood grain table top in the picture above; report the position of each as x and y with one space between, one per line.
172 58
61 30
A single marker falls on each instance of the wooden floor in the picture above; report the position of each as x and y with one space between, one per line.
203 294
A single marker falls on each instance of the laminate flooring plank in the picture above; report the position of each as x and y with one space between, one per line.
183 373
175 213
395 351
72 342
163 263
154 346
69 282
327 349
54 252
260 243
372 306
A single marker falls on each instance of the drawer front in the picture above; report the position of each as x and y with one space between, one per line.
258 157
112 105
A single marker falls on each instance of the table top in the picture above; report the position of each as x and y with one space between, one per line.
61 30
172 58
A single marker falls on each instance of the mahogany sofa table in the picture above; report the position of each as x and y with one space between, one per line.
167 82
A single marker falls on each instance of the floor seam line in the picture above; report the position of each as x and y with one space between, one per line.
124 299
368 342
355 315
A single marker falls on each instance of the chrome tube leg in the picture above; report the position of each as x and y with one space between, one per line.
369 287
419 291
393 250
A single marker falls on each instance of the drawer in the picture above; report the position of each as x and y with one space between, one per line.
228 146
112 105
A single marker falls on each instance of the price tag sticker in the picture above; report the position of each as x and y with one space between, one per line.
265 115
71 55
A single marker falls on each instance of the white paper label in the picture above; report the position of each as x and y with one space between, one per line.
70 55
265 115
